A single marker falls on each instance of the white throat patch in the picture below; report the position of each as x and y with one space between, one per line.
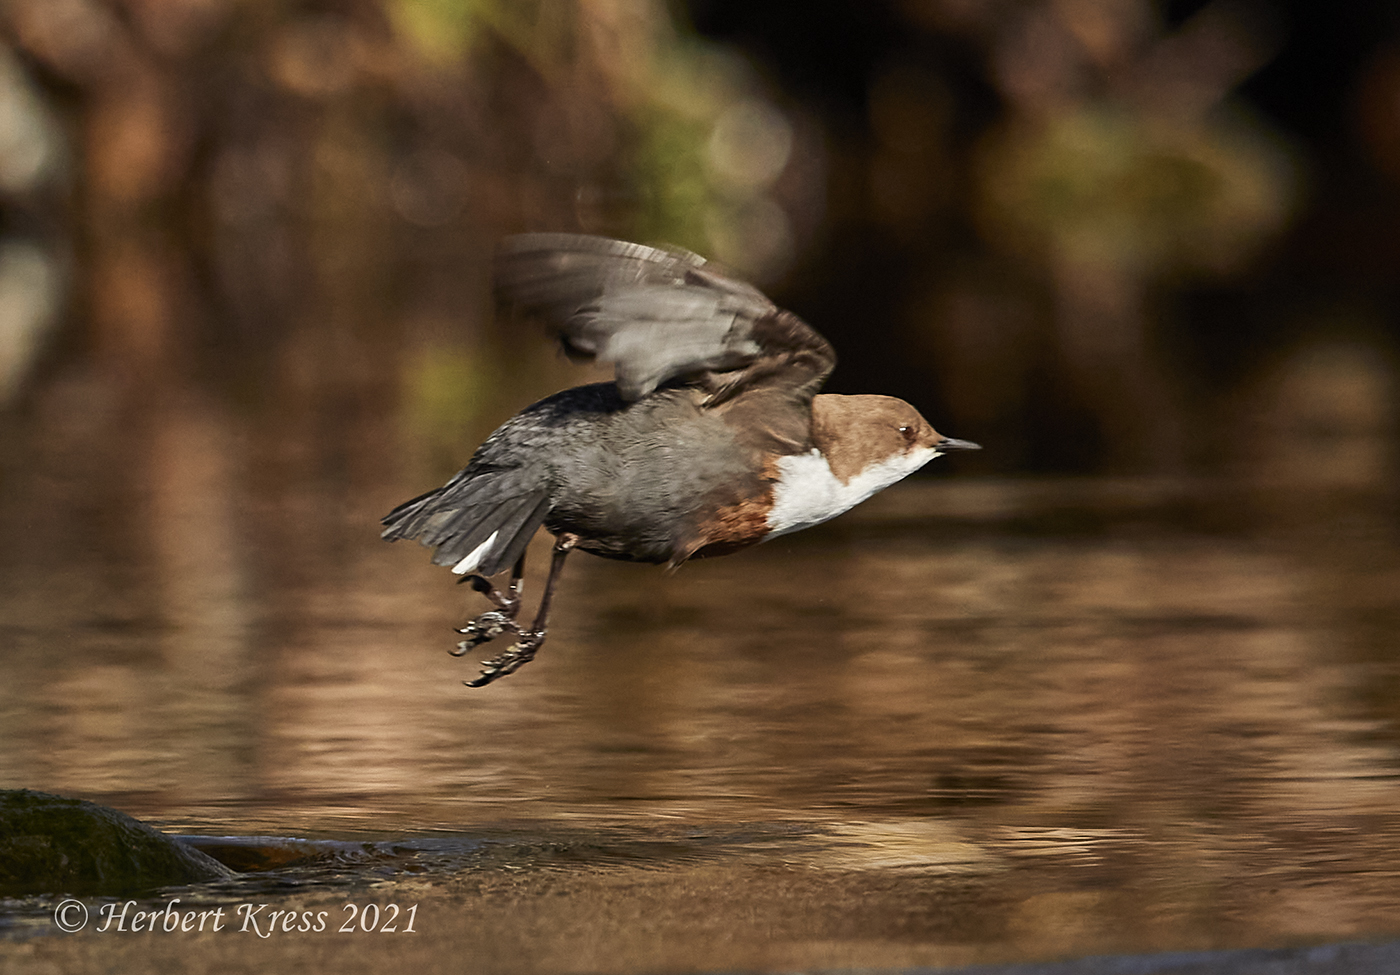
807 493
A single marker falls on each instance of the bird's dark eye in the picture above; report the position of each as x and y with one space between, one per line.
908 432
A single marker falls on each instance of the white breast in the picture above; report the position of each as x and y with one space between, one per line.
808 493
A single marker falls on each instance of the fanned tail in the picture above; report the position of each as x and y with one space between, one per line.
473 528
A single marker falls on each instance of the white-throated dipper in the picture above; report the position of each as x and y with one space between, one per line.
711 439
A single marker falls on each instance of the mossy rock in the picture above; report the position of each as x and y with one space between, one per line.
51 844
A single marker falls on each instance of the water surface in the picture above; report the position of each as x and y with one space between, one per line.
971 721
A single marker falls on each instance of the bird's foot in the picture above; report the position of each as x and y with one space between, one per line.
483 629
491 623
511 660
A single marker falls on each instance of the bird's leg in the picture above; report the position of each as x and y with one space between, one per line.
532 639
509 601
492 623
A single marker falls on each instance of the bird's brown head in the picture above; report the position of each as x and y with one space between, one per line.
857 431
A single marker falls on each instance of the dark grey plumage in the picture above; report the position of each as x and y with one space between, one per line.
585 461
460 517
615 462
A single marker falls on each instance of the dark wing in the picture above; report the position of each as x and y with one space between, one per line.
658 316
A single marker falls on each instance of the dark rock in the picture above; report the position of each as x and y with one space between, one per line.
51 844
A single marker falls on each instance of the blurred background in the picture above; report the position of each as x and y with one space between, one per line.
1094 235
1138 654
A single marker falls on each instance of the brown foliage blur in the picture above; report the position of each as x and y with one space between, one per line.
293 204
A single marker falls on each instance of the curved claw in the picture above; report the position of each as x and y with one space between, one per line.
483 629
511 660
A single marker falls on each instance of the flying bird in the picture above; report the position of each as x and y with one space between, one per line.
711 438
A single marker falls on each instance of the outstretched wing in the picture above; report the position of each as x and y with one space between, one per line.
658 316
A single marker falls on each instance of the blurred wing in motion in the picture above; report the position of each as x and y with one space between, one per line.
659 316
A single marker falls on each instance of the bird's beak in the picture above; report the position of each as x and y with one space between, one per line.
948 443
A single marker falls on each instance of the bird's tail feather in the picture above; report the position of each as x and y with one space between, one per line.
477 532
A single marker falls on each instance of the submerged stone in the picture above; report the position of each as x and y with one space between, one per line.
52 844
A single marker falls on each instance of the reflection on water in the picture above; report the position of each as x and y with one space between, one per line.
1079 716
